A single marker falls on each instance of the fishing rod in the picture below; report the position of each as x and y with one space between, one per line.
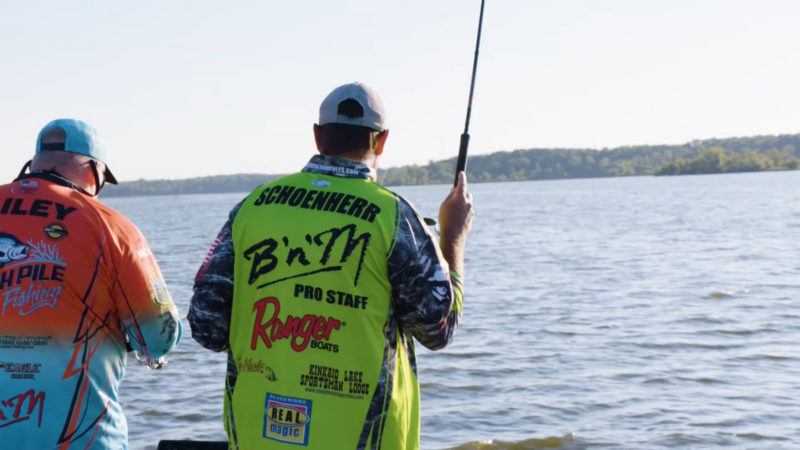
461 163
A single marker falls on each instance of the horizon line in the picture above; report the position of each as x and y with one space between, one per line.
690 142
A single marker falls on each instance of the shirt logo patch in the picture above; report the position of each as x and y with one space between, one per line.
12 249
21 371
321 183
159 292
31 275
26 187
144 252
287 419
56 231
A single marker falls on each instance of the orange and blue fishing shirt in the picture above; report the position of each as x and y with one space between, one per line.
77 280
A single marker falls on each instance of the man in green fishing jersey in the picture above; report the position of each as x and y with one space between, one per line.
316 286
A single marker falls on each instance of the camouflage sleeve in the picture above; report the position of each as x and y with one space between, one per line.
427 297
210 309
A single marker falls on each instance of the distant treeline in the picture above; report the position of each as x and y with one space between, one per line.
717 160
219 184
553 164
519 165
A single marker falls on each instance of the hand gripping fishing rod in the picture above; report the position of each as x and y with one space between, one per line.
461 163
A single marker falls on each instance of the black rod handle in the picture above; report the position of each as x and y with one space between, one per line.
461 163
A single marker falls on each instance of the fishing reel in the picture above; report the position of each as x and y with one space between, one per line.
152 364
433 225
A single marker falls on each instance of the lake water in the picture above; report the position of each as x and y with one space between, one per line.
629 313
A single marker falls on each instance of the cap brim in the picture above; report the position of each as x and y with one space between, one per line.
110 178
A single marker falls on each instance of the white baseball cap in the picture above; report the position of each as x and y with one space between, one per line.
373 114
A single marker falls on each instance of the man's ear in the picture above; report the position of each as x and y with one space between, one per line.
381 142
318 137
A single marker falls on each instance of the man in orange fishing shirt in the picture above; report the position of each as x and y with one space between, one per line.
77 280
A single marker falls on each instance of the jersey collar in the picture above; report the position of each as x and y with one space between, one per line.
49 176
339 167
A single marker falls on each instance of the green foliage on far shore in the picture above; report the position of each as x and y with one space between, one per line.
554 164
219 184
741 154
717 160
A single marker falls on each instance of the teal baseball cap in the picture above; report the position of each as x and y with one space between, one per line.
75 136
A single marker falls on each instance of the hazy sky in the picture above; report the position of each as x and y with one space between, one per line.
184 88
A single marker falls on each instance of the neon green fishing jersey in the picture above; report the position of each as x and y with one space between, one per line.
332 277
